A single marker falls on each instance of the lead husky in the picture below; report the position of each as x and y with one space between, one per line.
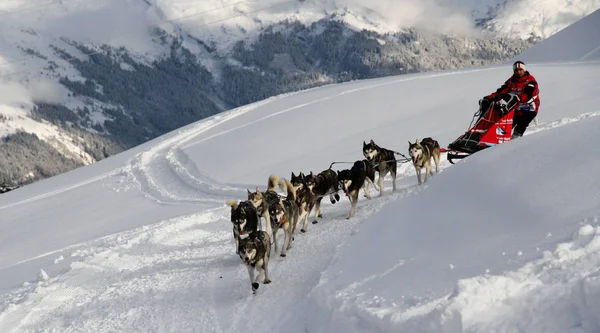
383 160
255 252
361 175
421 154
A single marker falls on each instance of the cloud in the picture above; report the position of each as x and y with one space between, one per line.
431 15
12 93
100 21
46 91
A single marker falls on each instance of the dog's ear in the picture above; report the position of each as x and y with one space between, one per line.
311 174
409 143
373 142
416 141
364 144
249 193
257 190
293 176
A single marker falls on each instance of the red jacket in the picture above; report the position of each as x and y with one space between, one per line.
526 87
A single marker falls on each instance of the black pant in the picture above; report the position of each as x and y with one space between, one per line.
522 120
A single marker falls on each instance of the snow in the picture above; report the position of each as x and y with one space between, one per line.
541 18
507 240
580 42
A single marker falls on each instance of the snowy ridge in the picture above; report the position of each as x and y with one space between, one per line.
585 47
541 18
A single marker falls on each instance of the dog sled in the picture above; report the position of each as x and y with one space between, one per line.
493 126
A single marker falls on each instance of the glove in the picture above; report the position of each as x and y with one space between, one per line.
485 99
484 105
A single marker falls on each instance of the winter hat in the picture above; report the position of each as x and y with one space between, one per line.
519 64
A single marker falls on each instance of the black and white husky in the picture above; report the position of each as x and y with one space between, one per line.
361 175
255 252
244 218
322 184
384 162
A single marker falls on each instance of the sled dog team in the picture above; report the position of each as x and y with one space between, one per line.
304 192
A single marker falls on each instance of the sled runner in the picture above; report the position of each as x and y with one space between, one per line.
493 126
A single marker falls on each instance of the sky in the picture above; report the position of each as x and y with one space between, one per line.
506 240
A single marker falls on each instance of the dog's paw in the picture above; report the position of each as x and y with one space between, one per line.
320 216
315 222
337 197
267 281
283 255
254 286
302 230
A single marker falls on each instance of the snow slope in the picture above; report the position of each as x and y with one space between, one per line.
540 18
505 241
580 41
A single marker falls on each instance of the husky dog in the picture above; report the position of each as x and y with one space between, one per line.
305 199
262 201
244 218
297 181
255 252
284 215
421 154
321 185
383 160
361 175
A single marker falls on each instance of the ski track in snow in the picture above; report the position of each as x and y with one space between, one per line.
120 282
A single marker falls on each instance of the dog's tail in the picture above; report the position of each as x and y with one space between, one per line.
287 186
429 140
272 184
232 203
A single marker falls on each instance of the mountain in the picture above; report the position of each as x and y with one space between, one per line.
504 241
83 81
581 41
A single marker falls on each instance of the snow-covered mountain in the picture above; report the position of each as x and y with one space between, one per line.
507 240
90 79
